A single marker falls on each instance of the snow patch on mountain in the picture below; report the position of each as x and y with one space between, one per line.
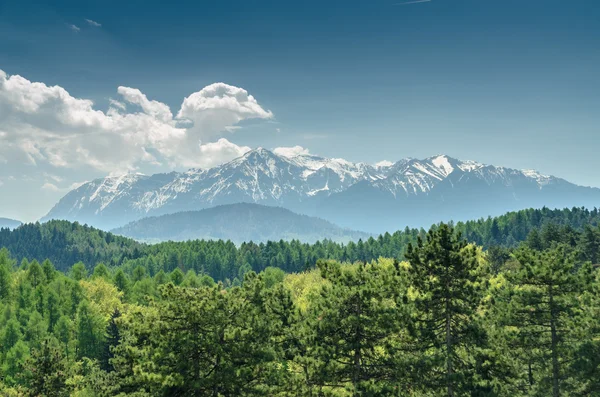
289 178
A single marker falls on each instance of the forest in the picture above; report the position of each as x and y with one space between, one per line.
496 307
65 243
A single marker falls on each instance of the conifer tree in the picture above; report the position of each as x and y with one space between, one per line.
122 283
90 332
78 271
46 371
444 273
354 328
113 338
5 276
208 341
541 311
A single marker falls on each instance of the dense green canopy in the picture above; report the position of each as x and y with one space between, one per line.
444 317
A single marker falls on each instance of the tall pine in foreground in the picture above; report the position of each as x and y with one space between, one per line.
209 341
353 331
444 276
541 311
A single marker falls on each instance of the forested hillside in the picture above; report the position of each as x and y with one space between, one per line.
444 322
66 243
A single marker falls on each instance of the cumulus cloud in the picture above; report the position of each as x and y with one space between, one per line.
153 108
291 151
74 28
219 152
93 23
215 108
42 124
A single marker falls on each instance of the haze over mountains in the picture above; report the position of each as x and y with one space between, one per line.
359 196
6 223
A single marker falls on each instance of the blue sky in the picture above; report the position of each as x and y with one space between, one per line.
511 82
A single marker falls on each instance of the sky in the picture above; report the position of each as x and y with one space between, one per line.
89 89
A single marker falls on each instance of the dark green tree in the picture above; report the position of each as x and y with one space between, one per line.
208 341
78 271
46 371
89 332
445 274
113 338
541 311
177 276
353 331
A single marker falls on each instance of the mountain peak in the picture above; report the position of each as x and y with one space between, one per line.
306 183
444 163
260 152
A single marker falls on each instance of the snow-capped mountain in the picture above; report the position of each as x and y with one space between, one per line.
367 197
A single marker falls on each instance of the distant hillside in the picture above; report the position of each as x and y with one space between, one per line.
66 243
239 223
6 223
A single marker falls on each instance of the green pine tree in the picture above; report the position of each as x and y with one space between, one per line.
445 276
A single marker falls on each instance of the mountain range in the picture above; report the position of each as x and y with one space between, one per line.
410 192
239 223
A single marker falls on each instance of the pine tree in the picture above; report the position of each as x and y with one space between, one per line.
590 243
541 311
46 371
35 274
53 311
122 283
5 276
49 270
113 338
89 332
444 273
207 341
353 330
78 271
101 271
177 276
11 334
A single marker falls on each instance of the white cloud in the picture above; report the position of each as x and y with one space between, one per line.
153 108
219 152
384 163
54 178
74 28
93 23
50 186
217 106
291 151
46 126
117 104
